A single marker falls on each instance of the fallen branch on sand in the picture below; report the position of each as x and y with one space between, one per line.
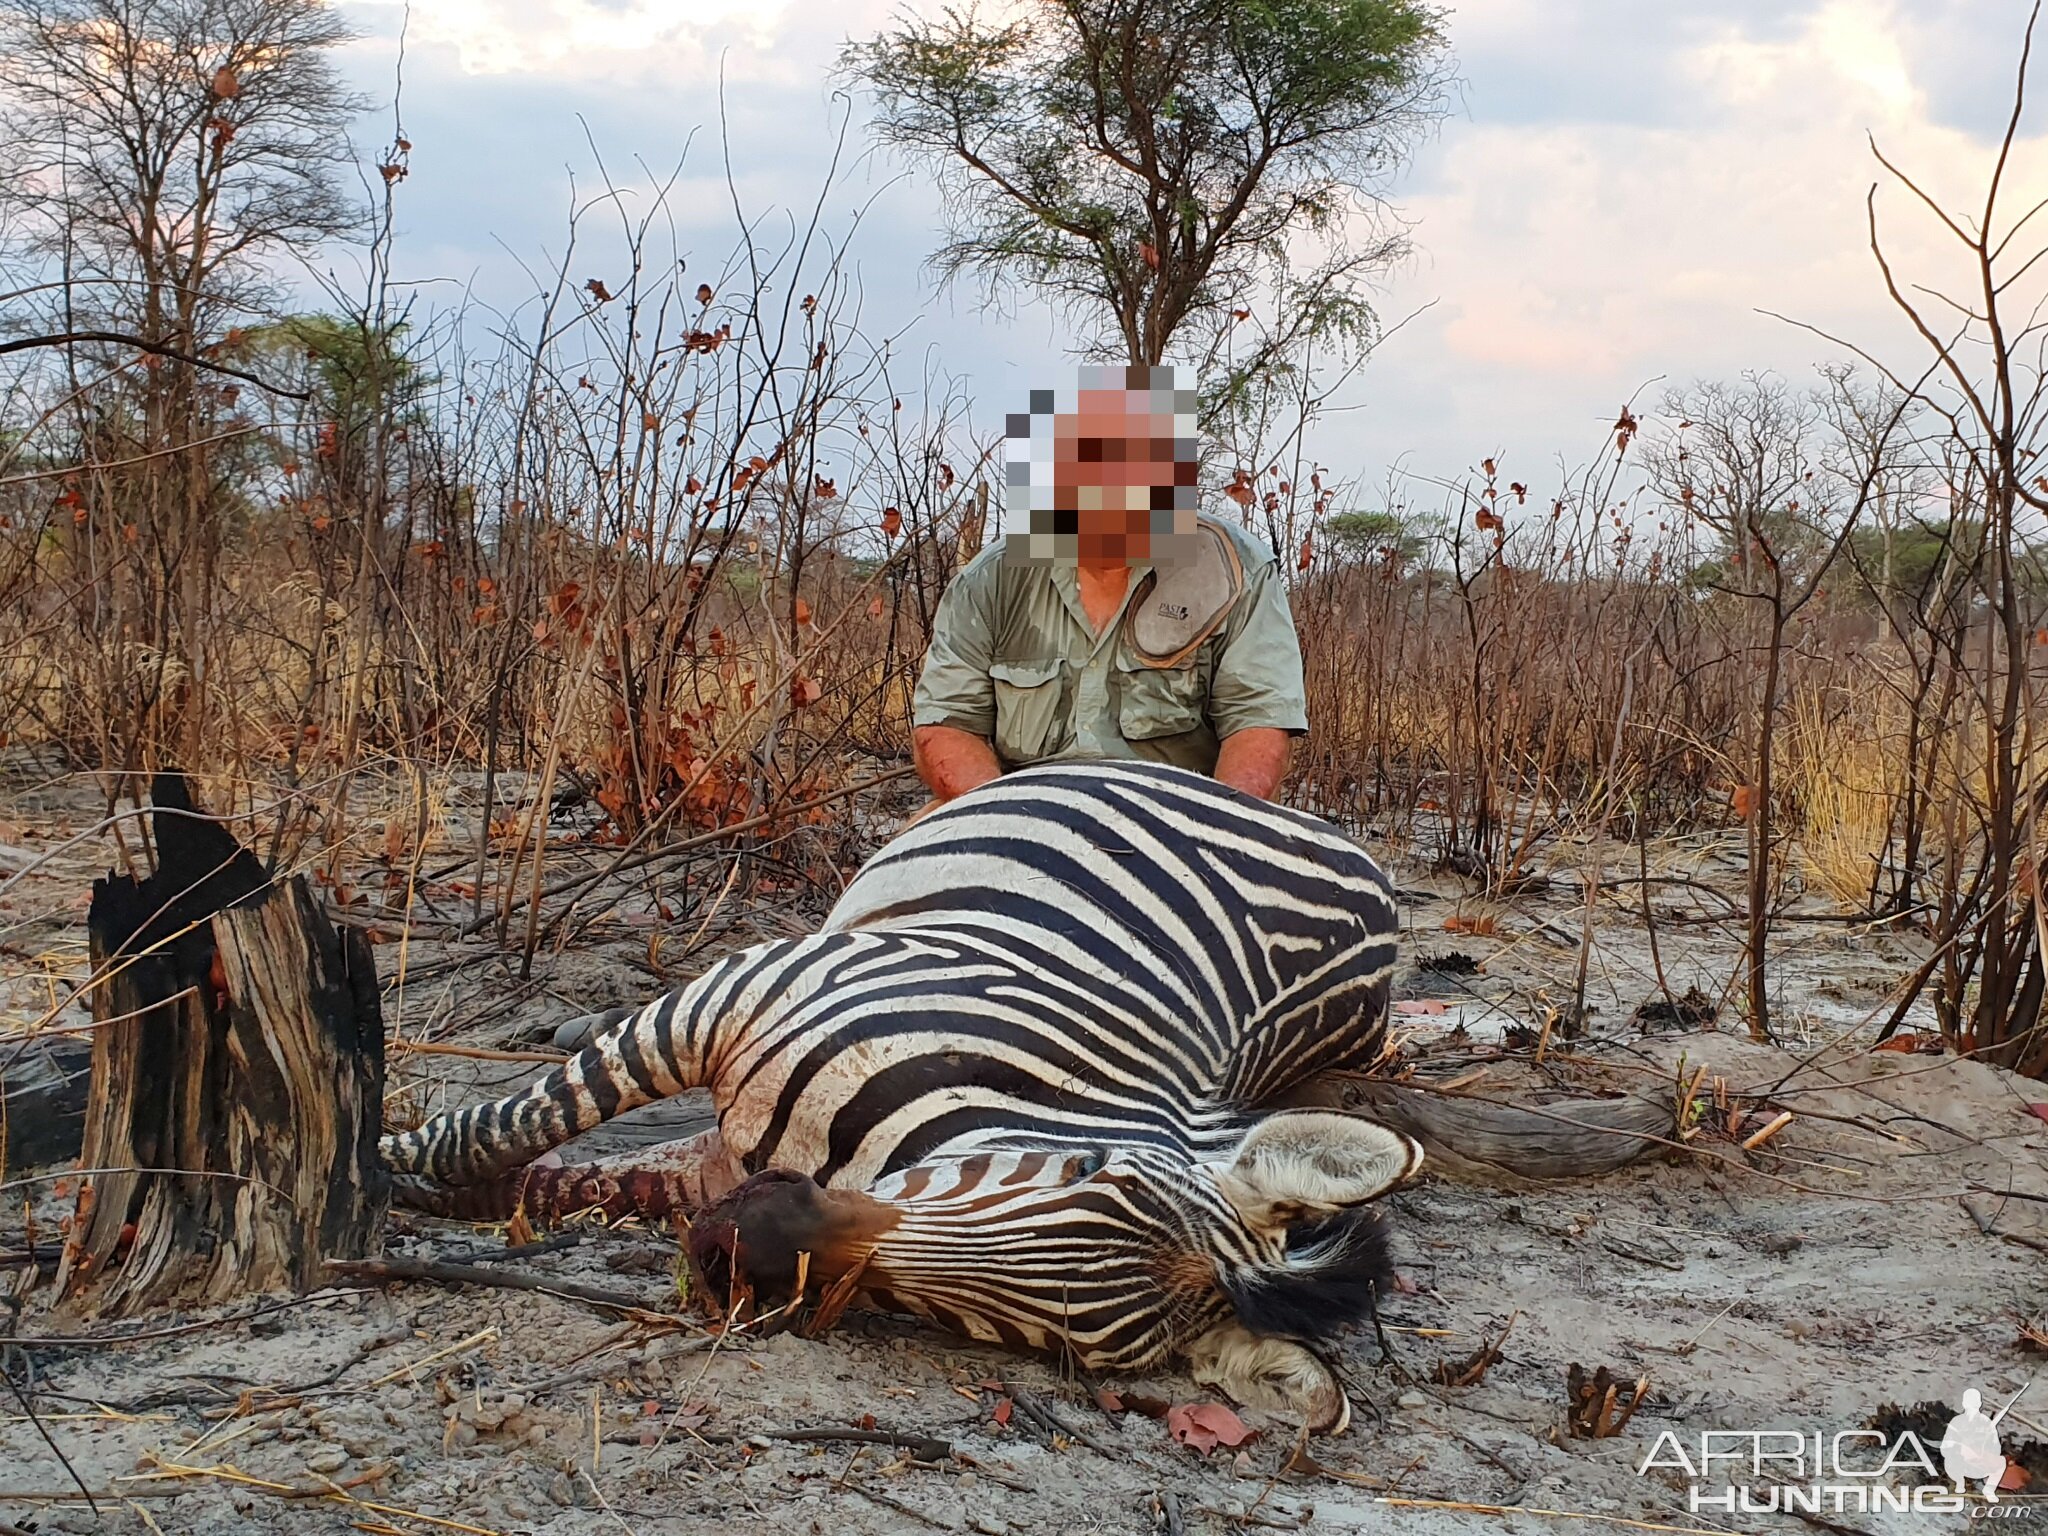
442 1273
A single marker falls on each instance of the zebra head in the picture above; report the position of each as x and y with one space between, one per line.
1121 1257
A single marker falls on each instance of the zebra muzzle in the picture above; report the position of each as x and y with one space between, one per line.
778 1237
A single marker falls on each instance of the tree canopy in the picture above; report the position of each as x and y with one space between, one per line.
1162 168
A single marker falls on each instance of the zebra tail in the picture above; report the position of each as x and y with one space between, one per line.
651 1055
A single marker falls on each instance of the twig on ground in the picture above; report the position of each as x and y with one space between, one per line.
555 1243
108 1341
1642 1255
1046 1418
1752 1142
1472 1370
1693 1343
10 1309
1988 1225
503 1279
899 1506
411 1368
921 1447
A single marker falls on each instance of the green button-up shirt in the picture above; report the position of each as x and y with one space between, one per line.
1013 660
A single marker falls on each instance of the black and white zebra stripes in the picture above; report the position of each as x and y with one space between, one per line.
1043 1031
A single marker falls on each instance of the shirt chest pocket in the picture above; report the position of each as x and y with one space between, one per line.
1032 712
1161 701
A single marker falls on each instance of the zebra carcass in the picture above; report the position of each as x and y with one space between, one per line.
1024 1083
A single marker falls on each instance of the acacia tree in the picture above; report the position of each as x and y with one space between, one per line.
1166 169
158 155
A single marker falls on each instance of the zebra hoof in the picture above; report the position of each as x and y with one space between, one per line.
1276 1374
583 1031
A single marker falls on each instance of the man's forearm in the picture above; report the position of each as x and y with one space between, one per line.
1254 760
952 761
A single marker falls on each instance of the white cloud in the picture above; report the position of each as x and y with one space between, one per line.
1573 262
496 37
1626 185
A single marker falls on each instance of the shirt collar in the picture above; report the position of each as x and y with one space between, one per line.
1066 580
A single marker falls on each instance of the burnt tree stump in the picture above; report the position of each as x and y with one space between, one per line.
230 1139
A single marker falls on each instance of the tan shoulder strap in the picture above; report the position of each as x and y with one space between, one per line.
1179 606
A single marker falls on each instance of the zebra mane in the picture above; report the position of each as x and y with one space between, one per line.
1332 1275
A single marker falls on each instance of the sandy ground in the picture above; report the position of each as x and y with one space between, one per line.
1889 1247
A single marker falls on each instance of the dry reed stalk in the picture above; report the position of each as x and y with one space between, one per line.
1777 1124
324 1491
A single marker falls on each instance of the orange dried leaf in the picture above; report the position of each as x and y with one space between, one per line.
892 522
1205 1426
1743 801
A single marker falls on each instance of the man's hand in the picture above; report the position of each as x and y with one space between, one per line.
951 761
1253 760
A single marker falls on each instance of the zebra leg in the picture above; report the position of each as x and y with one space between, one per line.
1270 1373
677 1178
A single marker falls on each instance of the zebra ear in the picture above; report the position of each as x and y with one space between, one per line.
1304 1165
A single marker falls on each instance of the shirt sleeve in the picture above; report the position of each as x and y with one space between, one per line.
955 687
1257 681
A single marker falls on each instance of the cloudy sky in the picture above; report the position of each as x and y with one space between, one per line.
1620 190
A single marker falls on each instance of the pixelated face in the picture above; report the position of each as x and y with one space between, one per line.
1109 479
